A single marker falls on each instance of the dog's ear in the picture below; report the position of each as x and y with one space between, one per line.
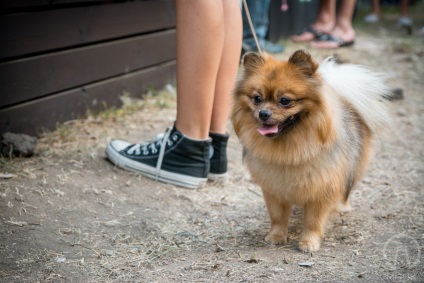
252 61
304 62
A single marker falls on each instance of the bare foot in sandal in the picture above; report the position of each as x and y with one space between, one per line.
311 32
335 39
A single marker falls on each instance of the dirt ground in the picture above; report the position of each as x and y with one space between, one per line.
68 215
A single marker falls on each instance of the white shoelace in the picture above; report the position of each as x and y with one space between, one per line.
162 152
159 141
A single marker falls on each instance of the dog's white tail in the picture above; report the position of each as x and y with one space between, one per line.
364 89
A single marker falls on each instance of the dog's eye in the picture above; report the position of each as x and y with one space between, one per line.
257 99
285 101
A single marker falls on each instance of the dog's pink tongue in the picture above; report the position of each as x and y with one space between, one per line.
266 130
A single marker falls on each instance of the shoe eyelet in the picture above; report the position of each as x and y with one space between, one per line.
145 152
154 151
175 137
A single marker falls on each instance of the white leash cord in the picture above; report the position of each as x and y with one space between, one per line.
246 9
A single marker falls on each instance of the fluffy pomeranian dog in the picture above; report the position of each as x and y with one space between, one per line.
307 133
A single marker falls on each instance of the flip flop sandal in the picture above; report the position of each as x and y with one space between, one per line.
310 29
315 32
333 38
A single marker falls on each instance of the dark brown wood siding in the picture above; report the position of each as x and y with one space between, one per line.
59 59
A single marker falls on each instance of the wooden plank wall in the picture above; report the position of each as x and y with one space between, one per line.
60 58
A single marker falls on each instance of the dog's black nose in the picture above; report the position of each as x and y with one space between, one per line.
264 115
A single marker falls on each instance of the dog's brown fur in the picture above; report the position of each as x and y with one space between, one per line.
317 160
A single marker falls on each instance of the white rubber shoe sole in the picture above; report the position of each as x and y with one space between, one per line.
181 180
218 178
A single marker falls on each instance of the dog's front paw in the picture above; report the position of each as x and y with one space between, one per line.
309 244
276 239
343 207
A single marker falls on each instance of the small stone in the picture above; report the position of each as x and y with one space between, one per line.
306 264
396 94
7 176
109 252
252 260
17 145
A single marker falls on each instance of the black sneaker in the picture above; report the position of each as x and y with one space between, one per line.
218 169
217 156
173 158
